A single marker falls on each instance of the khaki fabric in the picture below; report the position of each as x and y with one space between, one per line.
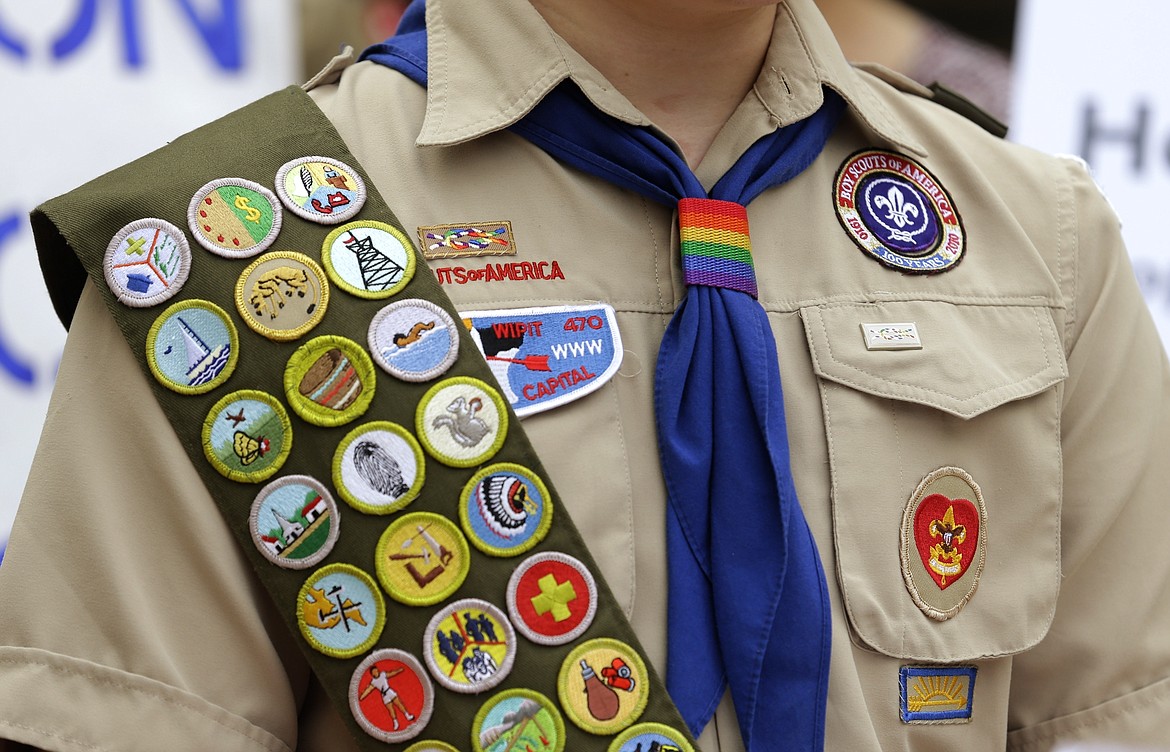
1041 376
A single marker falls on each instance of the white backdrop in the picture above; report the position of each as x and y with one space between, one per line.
1090 82
88 85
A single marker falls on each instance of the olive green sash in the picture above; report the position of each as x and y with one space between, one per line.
252 144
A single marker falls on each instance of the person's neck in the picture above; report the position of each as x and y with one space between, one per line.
686 64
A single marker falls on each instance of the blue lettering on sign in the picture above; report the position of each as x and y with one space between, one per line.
10 365
219 29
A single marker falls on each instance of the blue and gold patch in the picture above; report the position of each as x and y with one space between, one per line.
936 694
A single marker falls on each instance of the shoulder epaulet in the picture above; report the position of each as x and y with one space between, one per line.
940 94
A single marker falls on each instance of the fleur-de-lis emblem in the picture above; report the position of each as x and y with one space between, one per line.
897 210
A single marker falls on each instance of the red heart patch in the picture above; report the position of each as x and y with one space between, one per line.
946 534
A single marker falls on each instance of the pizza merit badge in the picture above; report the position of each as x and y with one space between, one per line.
898 213
546 357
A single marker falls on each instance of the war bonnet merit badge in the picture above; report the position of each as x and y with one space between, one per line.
898 213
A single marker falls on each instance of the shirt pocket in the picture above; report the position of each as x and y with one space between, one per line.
981 395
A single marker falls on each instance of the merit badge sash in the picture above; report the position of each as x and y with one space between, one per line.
360 437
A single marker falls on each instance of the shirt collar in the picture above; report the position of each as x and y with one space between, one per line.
490 63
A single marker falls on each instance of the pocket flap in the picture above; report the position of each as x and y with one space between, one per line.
972 357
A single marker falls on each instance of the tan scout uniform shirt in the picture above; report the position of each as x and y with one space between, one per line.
131 622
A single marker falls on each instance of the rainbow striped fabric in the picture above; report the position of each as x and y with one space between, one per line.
716 249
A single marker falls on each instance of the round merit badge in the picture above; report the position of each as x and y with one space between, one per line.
247 436
282 295
369 259
603 686
461 421
390 695
518 719
147 262
415 340
192 347
505 509
898 213
339 611
320 189
552 598
294 522
422 559
651 737
329 381
233 217
379 468
469 646
431 746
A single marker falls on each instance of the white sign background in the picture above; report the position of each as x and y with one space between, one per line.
88 85
1089 81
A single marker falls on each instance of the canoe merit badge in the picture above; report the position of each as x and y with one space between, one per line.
329 381
552 598
321 189
390 695
603 686
469 646
368 259
467 240
234 218
282 295
461 421
192 347
414 340
340 611
898 213
247 436
422 558
518 719
294 522
944 542
378 468
545 357
505 509
650 737
936 694
147 262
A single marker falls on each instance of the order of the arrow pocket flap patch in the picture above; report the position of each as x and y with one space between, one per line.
545 357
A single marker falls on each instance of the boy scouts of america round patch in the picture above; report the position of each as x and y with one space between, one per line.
898 213
414 340
192 347
234 218
422 558
431 746
320 189
147 262
650 736
282 295
247 436
294 522
944 542
603 686
469 646
461 421
339 611
390 695
378 468
505 509
552 598
518 719
368 259
329 381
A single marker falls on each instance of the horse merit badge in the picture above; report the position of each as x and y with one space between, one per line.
390 695
518 719
944 542
545 357
469 646
147 262
603 686
898 213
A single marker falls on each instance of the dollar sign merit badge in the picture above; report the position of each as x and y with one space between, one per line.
253 214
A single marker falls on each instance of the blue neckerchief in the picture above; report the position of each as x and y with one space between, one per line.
748 602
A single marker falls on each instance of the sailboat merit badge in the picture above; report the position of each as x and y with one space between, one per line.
192 347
